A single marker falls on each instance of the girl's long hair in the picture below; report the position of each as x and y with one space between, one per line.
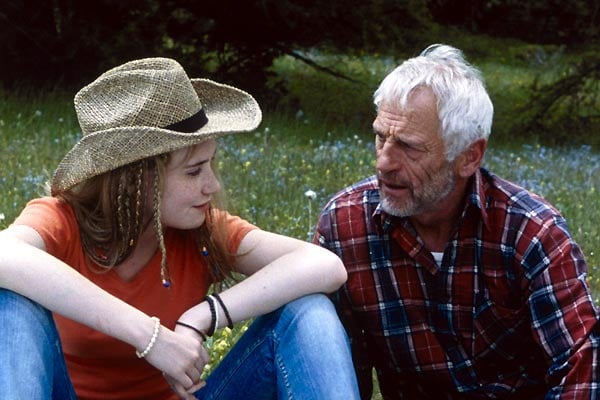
111 213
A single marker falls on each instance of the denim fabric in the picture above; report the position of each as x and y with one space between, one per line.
299 351
31 357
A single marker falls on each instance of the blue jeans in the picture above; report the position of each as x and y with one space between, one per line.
31 357
297 352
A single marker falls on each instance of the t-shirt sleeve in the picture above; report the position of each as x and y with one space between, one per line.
237 229
55 221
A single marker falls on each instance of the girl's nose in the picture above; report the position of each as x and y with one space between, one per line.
213 185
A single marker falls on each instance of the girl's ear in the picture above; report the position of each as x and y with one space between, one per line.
469 161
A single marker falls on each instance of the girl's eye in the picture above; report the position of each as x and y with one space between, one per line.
195 172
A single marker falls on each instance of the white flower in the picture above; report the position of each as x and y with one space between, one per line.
2 216
311 194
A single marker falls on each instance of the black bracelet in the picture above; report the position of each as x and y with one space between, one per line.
229 321
198 331
213 316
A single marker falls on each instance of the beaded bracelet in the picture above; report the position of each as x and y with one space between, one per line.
214 317
152 339
198 331
225 310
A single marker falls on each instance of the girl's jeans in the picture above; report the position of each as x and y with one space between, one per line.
299 351
31 358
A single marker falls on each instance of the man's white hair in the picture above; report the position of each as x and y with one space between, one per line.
464 106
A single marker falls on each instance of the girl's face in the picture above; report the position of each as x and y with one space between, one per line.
189 184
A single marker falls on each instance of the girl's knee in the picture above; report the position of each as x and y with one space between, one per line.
316 311
317 302
22 313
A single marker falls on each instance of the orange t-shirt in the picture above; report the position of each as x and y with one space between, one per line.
100 366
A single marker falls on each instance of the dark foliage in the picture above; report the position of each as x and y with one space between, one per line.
561 110
69 42
66 42
535 21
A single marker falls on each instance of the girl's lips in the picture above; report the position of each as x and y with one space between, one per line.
202 206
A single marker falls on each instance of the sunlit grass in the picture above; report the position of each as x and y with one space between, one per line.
36 130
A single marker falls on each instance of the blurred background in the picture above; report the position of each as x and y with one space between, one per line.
540 57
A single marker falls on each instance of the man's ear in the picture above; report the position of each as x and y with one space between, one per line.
469 161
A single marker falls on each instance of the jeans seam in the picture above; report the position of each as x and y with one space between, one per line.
284 371
222 384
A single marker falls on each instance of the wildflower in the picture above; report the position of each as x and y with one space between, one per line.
221 346
310 195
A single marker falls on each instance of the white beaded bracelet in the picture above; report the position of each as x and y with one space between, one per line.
152 339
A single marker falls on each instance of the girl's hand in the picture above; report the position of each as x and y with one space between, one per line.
181 391
181 357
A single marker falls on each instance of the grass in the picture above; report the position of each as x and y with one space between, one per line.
318 140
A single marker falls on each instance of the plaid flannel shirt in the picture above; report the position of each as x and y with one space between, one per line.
507 315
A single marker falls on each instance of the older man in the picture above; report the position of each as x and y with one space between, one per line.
461 285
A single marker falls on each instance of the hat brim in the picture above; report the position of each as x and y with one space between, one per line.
228 109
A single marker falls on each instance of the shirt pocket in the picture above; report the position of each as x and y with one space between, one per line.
499 339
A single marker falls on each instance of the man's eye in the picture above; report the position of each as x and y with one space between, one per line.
195 172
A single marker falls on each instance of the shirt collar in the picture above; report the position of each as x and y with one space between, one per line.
476 199
385 222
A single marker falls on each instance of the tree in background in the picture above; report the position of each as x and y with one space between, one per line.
67 43
535 21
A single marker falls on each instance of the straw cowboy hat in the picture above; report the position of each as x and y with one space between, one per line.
145 108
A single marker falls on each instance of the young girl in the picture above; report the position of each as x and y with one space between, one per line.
124 251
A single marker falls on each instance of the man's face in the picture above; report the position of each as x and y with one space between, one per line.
414 175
